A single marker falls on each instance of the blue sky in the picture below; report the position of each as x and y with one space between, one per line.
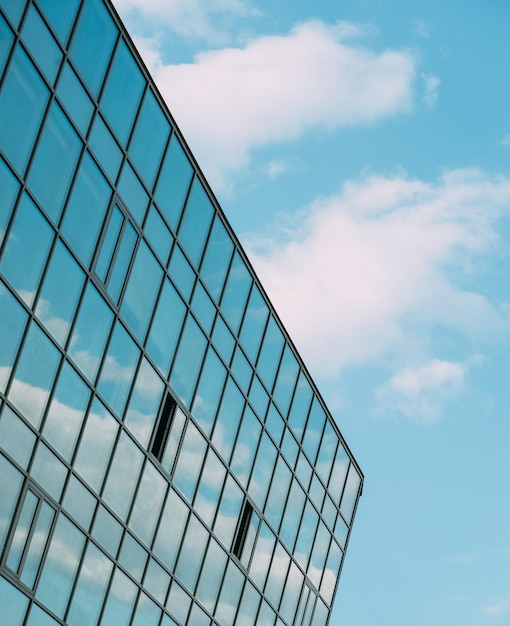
361 151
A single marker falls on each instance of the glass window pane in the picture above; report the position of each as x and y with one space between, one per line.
13 603
254 323
178 603
118 369
166 327
156 581
86 209
195 223
6 38
223 339
144 403
236 292
9 186
286 380
230 595
79 502
275 424
133 193
182 273
331 572
174 438
49 472
338 474
292 516
9 490
91 588
37 545
248 607
246 446
149 139
107 531
291 593
61 14
241 369
14 9
170 531
105 148
67 410
173 183
209 488
350 495
300 406
216 259
188 361
209 391
313 431
203 308
120 601
16 439
192 553
60 566
34 375
306 535
148 503
54 162
277 573
190 461
141 291
93 43
96 445
38 617
60 292
122 261
262 471
22 100
41 44
262 554
270 353
123 476
133 557
319 554
228 512
327 452
12 320
27 247
122 92
276 498
211 575
158 234
290 448
90 332
72 94
230 412
146 613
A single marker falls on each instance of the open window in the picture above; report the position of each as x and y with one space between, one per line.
163 425
242 529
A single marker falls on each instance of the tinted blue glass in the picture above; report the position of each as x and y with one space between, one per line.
50 471
313 431
326 452
209 391
209 488
9 186
34 375
41 44
119 369
195 223
216 259
133 557
24 87
146 613
93 43
230 594
188 361
178 603
38 617
270 353
275 423
9 490
14 9
12 319
26 250
203 307
74 98
141 291
300 406
166 327
349 497
169 534
173 183
258 398
122 92
246 446
124 254
286 380
90 332
17 439
60 14
158 234
182 273
54 162
133 193
122 478
229 416
149 139
6 38
306 535
236 292
144 403
109 243
86 209
13 603
241 369
254 323
290 448
192 553
105 148
120 602
223 339
262 471
147 506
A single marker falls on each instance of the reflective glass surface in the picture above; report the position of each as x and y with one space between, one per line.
41 44
12 320
195 222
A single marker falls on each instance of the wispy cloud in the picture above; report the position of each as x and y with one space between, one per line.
421 28
277 88
372 271
497 607
506 140
432 84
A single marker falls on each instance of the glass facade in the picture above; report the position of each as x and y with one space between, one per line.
165 458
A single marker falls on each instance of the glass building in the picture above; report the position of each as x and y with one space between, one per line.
165 458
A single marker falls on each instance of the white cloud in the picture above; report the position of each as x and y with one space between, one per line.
211 20
276 168
278 88
432 84
506 140
373 270
497 607
421 28
419 392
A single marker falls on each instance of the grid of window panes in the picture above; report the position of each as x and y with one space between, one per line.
121 285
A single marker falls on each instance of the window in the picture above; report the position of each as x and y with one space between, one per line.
162 429
29 539
242 529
